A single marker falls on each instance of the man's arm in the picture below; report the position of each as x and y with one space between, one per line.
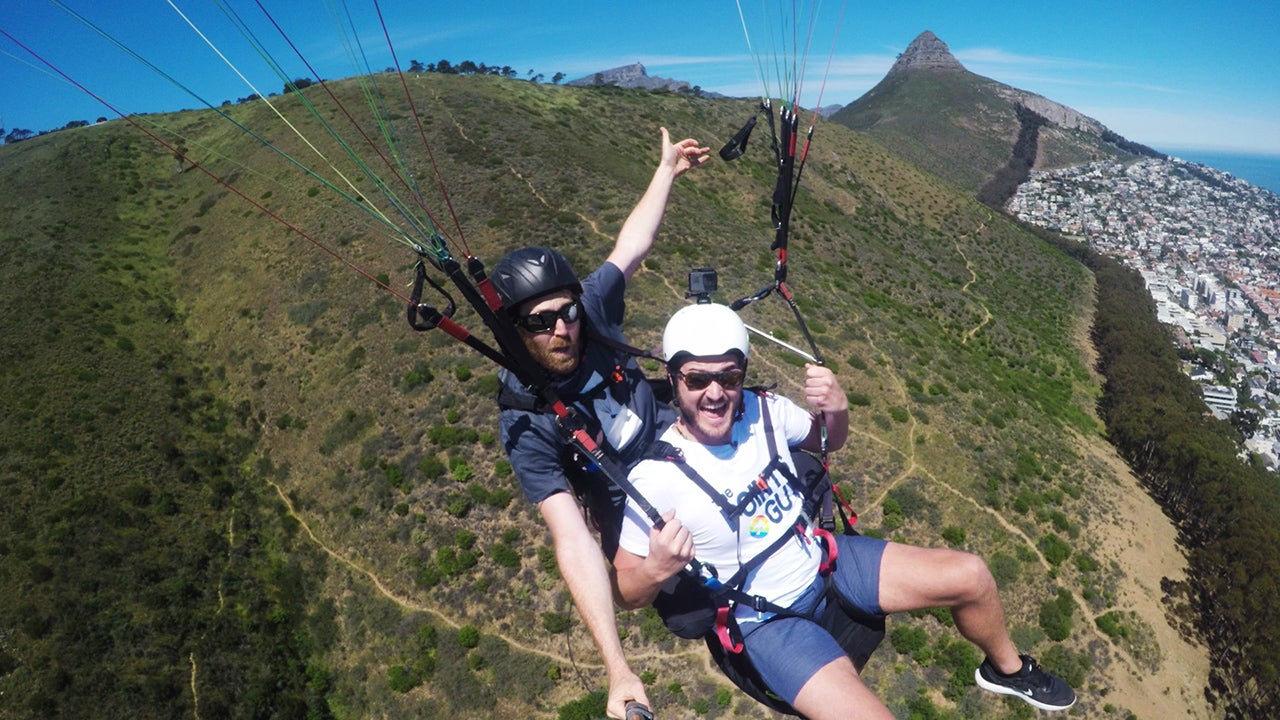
585 573
641 227
638 579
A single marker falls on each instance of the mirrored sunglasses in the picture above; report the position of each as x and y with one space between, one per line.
545 321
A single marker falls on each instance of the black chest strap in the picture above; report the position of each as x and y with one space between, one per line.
776 464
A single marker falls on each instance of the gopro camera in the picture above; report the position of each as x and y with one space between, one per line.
702 282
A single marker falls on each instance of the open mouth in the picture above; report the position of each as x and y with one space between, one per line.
715 410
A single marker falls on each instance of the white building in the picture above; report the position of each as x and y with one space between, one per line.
1221 400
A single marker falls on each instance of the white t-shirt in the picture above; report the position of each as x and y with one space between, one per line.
732 469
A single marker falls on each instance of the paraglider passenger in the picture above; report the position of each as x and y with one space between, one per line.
566 324
730 435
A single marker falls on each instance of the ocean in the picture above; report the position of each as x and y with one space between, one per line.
1260 170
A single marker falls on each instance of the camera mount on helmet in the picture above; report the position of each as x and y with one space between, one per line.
702 282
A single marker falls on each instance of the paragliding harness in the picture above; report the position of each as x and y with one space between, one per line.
703 607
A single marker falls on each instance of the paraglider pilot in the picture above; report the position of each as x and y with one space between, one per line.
572 328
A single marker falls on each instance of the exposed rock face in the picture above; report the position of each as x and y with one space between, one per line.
926 52
1056 113
630 76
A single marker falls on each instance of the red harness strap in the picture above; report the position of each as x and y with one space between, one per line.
722 630
828 541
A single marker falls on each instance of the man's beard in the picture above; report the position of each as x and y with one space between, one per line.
694 422
558 356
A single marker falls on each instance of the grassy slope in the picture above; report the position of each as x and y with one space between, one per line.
955 334
957 124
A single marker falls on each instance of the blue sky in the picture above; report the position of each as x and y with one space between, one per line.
1175 76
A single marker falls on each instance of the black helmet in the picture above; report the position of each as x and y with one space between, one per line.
530 273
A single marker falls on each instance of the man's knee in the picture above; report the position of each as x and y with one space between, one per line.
972 577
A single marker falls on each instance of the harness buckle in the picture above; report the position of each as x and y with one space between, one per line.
710 576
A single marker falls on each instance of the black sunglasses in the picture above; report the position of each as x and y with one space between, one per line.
728 379
545 321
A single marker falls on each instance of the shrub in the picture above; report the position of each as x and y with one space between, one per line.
487 384
1056 616
954 535
457 505
556 623
420 375
1109 623
1005 569
451 435
1071 667
395 476
468 636
478 493
585 708
400 679
504 555
1086 563
908 639
462 471
431 467
1055 549
857 399
499 498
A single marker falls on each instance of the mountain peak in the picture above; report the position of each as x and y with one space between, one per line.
631 76
926 52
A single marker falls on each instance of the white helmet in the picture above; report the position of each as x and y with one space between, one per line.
704 330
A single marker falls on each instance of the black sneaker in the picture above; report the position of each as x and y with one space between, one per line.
1031 683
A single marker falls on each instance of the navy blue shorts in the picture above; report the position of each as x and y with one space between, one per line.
787 651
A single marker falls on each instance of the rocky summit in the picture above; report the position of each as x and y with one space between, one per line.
926 52
630 76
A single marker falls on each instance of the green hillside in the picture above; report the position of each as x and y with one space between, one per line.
963 126
238 485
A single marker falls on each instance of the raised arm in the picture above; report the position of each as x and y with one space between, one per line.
823 393
641 227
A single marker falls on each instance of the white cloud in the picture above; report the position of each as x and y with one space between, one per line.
998 57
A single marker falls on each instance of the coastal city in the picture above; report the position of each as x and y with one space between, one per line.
1208 246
